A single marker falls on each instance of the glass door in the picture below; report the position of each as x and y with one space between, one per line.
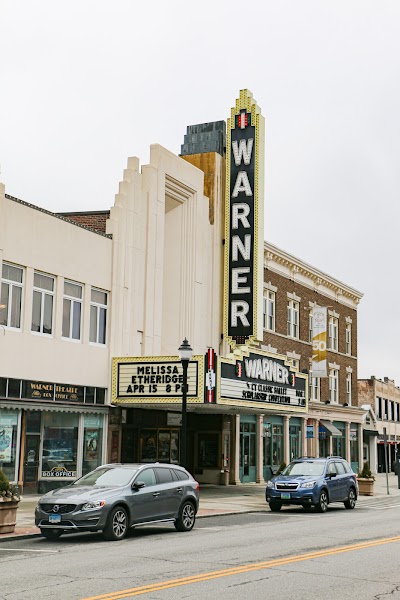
247 466
31 463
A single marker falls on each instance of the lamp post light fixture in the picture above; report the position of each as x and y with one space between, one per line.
185 354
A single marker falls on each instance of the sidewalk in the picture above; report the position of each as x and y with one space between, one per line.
214 500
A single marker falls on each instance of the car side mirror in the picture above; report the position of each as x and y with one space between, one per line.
137 485
331 475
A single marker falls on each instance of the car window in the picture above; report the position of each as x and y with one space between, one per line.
181 475
148 477
340 468
163 475
306 468
347 467
331 468
107 477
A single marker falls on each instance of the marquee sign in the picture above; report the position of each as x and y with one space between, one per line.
154 379
259 380
244 223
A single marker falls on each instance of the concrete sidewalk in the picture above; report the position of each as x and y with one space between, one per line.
214 500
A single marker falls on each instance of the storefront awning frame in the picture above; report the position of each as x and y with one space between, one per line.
331 429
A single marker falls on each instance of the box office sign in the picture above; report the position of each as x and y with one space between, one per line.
59 472
262 380
156 379
244 225
41 390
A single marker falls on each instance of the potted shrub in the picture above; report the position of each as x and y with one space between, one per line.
9 500
365 481
282 467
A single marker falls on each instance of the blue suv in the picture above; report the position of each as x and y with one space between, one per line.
313 482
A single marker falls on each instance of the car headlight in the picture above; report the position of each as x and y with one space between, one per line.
308 484
94 505
270 485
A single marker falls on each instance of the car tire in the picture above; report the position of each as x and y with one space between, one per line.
187 517
275 506
117 524
322 504
51 534
350 503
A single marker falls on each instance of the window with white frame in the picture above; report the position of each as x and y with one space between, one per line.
333 333
12 280
269 311
293 319
334 386
314 388
72 310
295 362
348 338
98 316
42 304
310 327
348 388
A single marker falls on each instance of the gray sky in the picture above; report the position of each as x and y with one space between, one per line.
85 84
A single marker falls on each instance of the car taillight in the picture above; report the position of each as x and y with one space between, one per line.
197 486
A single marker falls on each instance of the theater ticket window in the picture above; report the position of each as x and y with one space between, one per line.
60 444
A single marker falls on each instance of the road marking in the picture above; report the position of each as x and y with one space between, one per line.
163 585
28 550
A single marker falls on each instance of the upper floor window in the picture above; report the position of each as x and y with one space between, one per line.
11 296
295 362
98 316
72 310
269 311
333 333
334 386
314 390
310 327
293 318
42 305
348 338
348 388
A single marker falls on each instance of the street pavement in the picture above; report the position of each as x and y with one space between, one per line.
218 500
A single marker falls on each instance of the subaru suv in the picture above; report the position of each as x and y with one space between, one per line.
115 497
313 482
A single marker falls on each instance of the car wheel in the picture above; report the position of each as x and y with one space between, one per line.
51 534
351 500
322 504
275 506
117 524
187 517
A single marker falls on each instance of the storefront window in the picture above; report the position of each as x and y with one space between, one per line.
8 442
160 445
353 444
60 444
277 445
339 443
208 450
295 441
92 442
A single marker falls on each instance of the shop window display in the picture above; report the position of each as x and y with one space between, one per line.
8 442
159 445
92 442
60 444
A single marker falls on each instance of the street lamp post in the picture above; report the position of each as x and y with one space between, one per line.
185 353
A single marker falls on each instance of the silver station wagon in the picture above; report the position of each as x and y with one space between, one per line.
115 497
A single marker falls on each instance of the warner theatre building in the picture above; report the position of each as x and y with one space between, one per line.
245 308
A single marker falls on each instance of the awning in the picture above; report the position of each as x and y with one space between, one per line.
331 428
53 407
370 432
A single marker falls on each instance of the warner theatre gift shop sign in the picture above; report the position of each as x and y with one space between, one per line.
244 235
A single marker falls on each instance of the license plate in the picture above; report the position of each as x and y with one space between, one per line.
285 496
54 518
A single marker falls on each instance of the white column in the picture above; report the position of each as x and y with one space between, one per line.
348 453
316 439
304 436
286 445
237 450
360 446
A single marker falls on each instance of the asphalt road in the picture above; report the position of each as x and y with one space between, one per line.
292 554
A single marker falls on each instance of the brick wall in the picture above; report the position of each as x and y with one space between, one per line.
283 344
93 220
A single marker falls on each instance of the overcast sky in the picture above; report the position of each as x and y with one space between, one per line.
85 84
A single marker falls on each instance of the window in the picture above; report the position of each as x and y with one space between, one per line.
11 296
348 388
348 338
310 327
293 318
42 306
163 475
60 444
148 477
269 311
72 311
92 442
314 387
295 362
333 333
98 316
334 386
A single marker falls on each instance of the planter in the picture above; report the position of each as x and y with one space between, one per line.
365 486
8 515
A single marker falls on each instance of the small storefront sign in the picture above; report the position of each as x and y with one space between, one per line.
310 431
260 378
58 472
44 390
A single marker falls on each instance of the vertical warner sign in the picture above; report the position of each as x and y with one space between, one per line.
319 332
244 222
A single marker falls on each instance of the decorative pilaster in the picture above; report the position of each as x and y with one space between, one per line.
286 445
260 449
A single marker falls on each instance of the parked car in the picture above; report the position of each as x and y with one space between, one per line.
115 497
313 482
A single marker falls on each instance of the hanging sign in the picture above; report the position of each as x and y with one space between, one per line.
244 222
319 330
